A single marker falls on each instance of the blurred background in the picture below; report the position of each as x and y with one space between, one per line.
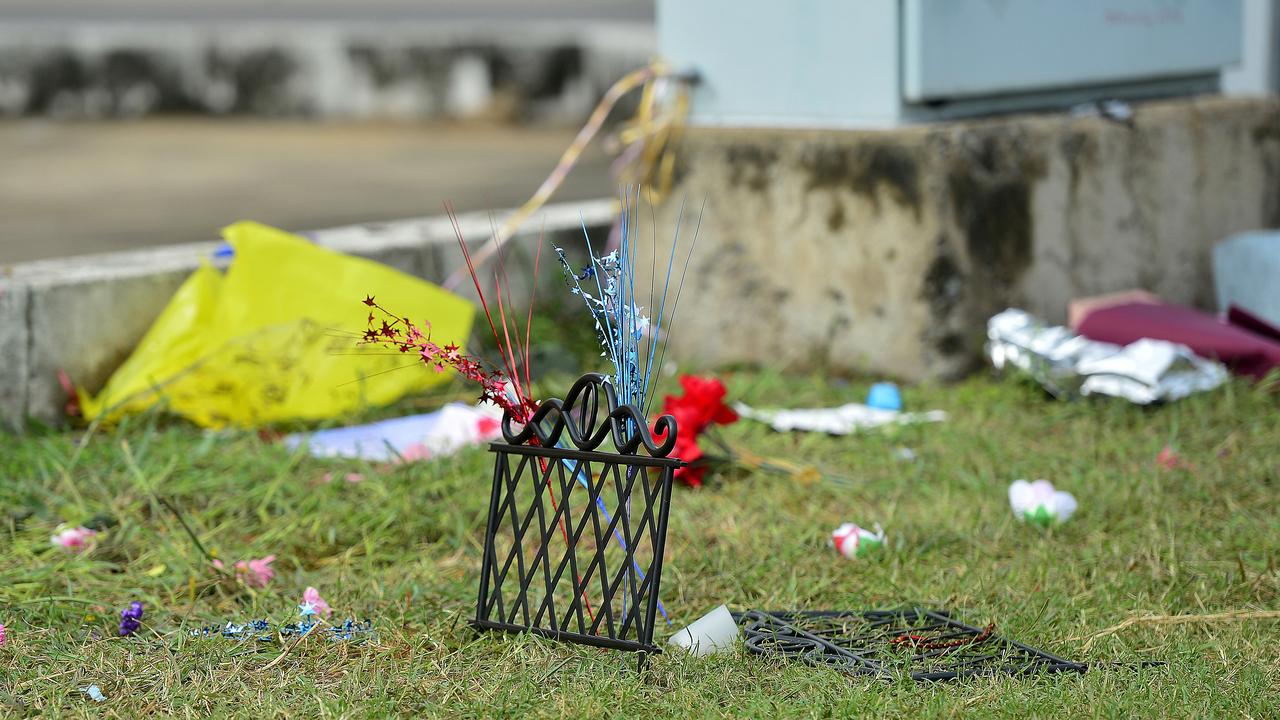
146 122
142 122
872 180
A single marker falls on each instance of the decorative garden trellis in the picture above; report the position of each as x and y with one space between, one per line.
577 527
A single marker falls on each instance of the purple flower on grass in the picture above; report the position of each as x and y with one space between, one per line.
131 619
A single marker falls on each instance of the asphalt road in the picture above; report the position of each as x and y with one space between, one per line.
78 188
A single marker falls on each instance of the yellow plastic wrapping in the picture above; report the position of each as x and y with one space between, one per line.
275 338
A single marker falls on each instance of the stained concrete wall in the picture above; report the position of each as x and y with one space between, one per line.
886 251
84 315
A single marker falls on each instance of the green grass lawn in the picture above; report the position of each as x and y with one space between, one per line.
403 549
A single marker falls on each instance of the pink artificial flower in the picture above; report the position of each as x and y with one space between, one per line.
73 538
4 636
311 596
257 572
326 478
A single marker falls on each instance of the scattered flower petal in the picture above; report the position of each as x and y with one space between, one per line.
131 619
257 572
854 542
354 478
254 573
311 596
1169 459
73 539
1039 503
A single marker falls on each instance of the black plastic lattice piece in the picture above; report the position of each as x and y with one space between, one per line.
575 536
888 644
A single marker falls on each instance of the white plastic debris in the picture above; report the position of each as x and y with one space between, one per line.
842 420
906 454
714 632
1067 365
415 437
94 692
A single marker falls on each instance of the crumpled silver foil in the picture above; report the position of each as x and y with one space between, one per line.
1069 365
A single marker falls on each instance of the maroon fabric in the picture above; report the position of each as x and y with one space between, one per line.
1245 352
1242 318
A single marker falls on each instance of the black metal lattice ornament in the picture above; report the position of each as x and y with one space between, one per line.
578 522
888 644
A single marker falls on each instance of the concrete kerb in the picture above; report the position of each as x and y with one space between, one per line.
84 315
15 343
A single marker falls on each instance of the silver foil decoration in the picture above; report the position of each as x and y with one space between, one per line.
1069 365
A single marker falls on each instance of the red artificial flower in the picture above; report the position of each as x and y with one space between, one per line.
701 405
687 450
707 395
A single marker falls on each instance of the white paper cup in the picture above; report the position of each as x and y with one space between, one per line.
714 632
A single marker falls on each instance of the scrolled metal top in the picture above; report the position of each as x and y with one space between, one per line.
624 422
